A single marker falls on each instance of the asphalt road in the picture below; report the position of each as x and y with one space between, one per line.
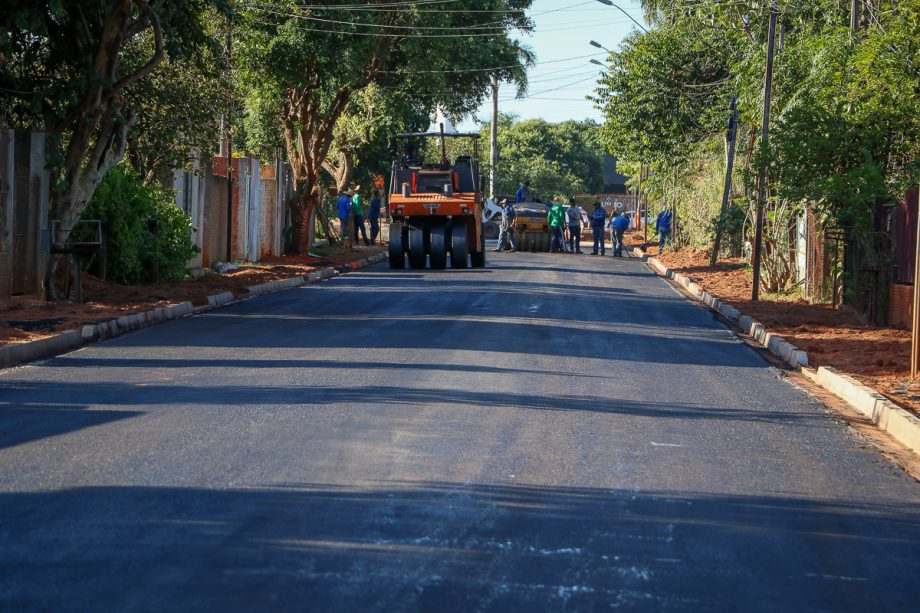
550 433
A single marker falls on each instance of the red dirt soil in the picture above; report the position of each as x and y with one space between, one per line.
879 357
25 319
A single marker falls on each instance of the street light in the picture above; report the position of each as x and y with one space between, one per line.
617 6
594 43
598 62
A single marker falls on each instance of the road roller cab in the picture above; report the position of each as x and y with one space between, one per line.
436 207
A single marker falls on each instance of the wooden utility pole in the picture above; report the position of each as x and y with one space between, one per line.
645 211
639 197
727 188
915 314
764 145
493 139
229 142
675 227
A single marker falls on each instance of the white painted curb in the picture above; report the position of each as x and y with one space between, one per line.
900 424
775 344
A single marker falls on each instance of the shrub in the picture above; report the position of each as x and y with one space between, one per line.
148 237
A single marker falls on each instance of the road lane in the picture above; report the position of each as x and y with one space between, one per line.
551 432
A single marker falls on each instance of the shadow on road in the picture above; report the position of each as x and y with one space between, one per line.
383 546
67 398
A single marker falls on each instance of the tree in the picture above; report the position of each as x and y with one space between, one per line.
67 67
362 134
303 66
558 159
178 111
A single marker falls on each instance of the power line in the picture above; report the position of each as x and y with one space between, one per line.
387 35
552 89
494 68
493 25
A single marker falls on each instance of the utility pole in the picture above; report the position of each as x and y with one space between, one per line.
915 315
854 16
764 145
229 136
639 197
674 222
493 139
648 173
727 188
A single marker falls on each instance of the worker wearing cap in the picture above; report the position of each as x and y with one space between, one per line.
506 229
618 226
556 219
573 220
598 217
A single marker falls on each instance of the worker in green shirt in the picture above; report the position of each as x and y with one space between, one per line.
556 219
357 205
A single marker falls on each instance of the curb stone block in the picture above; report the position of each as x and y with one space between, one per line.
88 332
861 397
327 273
220 299
745 322
44 347
313 277
902 425
730 312
759 332
292 282
799 357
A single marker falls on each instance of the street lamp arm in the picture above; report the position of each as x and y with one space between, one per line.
618 7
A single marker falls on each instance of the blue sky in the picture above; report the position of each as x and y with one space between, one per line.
564 75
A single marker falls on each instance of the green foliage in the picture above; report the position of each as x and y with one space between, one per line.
663 92
845 107
148 236
557 158
179 108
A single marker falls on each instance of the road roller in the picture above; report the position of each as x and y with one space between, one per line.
436 205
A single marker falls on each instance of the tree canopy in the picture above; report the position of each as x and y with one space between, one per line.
559 159
301 68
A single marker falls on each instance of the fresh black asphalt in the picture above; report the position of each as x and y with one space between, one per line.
550 433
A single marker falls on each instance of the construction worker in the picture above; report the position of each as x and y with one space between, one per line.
373 215
506 229
618 226
357 205
343 204
573 221
523 193
598 217
556 219
663 228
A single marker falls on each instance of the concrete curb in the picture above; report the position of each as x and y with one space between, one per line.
902 425
775 344
21 353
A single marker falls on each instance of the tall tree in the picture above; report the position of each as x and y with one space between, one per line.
67 67
558 158
302 66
